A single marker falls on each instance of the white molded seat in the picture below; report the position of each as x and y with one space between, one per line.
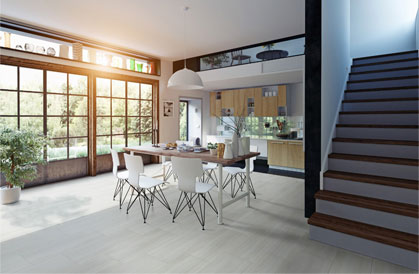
188 171
144 186
121 176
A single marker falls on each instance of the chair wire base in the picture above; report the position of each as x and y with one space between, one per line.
237 182
190 202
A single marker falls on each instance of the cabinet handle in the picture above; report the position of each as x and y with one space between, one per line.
277 143
297 144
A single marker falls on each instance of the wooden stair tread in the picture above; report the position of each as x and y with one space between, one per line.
381 89
385 55
370 203
372 179
366 231
375 159
380 100
380 112
376 141
377 126
386 62
383 70
383 79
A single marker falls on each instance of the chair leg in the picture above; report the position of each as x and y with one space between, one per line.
162 200
144 208
180 206
212 204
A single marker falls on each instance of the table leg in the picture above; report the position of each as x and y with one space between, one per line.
248 182
220 194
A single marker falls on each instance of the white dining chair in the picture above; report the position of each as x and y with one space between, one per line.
148 189
236 176
189 171
121 176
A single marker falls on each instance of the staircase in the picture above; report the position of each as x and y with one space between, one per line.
369 200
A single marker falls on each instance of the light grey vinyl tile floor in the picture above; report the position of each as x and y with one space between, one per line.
75 227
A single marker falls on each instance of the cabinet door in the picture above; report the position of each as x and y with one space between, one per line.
227 99
277 153
295 155
282 96
269 106
213 96
240 100
258 102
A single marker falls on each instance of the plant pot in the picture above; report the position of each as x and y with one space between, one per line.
213 151
9 195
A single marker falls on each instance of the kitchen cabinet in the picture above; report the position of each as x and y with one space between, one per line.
240 102
282 96
286 153
213 97
277 153
227 99
258 102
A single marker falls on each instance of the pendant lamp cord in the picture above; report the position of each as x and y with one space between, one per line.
184 36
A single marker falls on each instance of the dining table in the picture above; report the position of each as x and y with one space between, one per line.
272 54
205 156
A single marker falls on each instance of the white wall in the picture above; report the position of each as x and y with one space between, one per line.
335 64
382 26
169 126
295 99
194 115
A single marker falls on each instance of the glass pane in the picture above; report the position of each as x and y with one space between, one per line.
133 108
118 88
78 147
78 105
146 108
31 103
118 125
34 124
133 124
183 121
57 127
31 79
57 150
146 91
103 125
8 77
77 84
118 143
8 103
146 124
56 82
133 140
133 90
146 139
78 126
103 145
103 106
118 107
10 122
103 87
56 104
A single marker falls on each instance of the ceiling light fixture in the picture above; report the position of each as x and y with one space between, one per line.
185 79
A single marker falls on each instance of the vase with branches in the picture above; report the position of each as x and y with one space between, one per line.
237 126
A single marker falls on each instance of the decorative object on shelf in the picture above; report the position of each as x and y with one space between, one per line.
20 154
40 49
139 67
78 51
168 108
185 79
132 64
245 142
212 148
51 51
19 47
228 151
29 47
7 40
92 56
64 51
220 150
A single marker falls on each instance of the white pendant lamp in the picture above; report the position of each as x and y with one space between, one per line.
185 79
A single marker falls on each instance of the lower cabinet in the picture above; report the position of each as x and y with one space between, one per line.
286 153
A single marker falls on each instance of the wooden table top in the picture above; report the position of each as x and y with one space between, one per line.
204 156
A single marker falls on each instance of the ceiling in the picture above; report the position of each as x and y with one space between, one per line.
155 27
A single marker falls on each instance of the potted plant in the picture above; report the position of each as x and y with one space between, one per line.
213 148
216 60
268 46
20 153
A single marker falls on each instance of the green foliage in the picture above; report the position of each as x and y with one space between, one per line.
212 146
183 121
215 60
269 46
20 152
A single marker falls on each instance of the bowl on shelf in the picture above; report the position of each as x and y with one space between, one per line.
282 135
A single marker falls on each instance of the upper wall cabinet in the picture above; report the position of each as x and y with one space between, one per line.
243 102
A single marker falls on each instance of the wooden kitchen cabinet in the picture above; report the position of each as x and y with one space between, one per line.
269 106
213 97
282 96
240 102
227 99
277 153
295 154
258 102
